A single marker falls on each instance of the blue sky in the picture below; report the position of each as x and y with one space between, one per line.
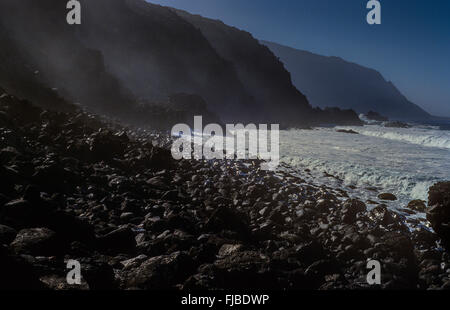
411 47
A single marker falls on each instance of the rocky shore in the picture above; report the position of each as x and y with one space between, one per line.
78 187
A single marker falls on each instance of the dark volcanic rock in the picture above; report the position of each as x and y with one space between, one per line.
160 272
417 205
387 196
118 241
37 241
438 212
135 218
351 208
347 131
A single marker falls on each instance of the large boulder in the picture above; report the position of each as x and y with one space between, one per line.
37 241
387 196
438 212
352 207
161 272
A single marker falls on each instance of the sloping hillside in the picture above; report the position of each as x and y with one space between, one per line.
261 72
332 81
128 57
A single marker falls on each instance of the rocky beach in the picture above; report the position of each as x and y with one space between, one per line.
75 186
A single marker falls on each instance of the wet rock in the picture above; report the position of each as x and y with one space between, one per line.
387 196
37 241
382 215
134 262
347 131
323 205
438 212
157 182
59 283
161 272
126 216
352 207
243 269
417 205
229 249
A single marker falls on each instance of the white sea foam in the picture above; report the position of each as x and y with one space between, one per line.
402 162
423 136
405 162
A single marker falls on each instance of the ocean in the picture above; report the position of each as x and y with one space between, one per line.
401 161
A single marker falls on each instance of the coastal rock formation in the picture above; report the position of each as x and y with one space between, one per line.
129 56
438 212
387 196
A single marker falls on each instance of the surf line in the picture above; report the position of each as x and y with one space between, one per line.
249 142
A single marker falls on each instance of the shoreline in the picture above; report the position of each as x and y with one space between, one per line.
78 187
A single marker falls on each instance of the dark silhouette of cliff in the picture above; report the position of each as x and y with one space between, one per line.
128 57
332 81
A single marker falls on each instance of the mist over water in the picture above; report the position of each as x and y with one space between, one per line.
405 162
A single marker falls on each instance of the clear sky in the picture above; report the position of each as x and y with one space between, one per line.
411 47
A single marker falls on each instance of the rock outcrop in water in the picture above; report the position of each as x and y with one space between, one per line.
76 186
438 212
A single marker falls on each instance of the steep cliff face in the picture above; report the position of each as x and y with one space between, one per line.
262 74
18 78
59 60
155 54
128 57
332 81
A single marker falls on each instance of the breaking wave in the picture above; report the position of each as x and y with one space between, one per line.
419 136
